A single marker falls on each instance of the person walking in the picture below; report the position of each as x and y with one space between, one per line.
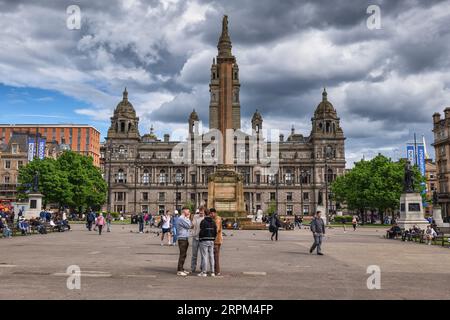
174 228
274 225
354 223
207 236
108 222
195 230
218 241
100 222
318 230
165 226
183 226
90 218
140 220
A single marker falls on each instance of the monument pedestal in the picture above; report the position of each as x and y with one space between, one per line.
34 205
437 216
226 193
411 211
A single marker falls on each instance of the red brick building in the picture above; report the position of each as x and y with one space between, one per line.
83 139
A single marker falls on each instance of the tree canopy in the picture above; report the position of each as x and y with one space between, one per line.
72 180
374 185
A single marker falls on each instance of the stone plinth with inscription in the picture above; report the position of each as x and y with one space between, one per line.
226 193
411 211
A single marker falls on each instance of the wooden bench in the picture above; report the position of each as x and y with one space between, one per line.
443 234
400 233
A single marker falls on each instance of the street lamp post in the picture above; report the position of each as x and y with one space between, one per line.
276 192
109 175
135 184
178 181
327 156
302 175
177 184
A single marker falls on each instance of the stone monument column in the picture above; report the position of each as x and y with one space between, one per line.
225 187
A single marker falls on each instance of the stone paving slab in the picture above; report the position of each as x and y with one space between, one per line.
129 265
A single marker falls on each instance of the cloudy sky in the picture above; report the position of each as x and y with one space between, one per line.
385 83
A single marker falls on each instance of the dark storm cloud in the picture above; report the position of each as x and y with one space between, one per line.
386 79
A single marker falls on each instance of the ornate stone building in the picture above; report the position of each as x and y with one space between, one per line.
441 129
143 174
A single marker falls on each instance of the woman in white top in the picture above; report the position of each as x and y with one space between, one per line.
430 234
165 226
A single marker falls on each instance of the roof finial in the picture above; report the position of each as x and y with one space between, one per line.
125 94
151 129
224 45
324 94
225 25
292 129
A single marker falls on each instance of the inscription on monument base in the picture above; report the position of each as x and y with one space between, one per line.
225 192
225 206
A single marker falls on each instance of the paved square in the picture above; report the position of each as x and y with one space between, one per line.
128 265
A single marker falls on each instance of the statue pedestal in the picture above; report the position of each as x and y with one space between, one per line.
437 216
226 193
34 205
411 211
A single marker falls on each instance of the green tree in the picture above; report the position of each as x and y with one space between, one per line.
72 180
53 183
88 186
374 185
272 208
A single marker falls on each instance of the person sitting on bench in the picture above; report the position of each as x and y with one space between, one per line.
430 234
4 228
394 231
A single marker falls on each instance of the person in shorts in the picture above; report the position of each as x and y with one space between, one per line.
165 226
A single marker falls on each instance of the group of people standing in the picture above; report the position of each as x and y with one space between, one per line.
205 229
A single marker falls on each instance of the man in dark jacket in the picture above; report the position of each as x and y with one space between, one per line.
318 230
207 235
140 220
274 225
90 218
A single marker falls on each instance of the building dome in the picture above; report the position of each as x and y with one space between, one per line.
194 116
125 108
325 106
256 116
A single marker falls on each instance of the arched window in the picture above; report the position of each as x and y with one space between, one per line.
178 176
162 177
327 129
146 177
129 127
305 177
330 175
288 176
121 176
122 126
